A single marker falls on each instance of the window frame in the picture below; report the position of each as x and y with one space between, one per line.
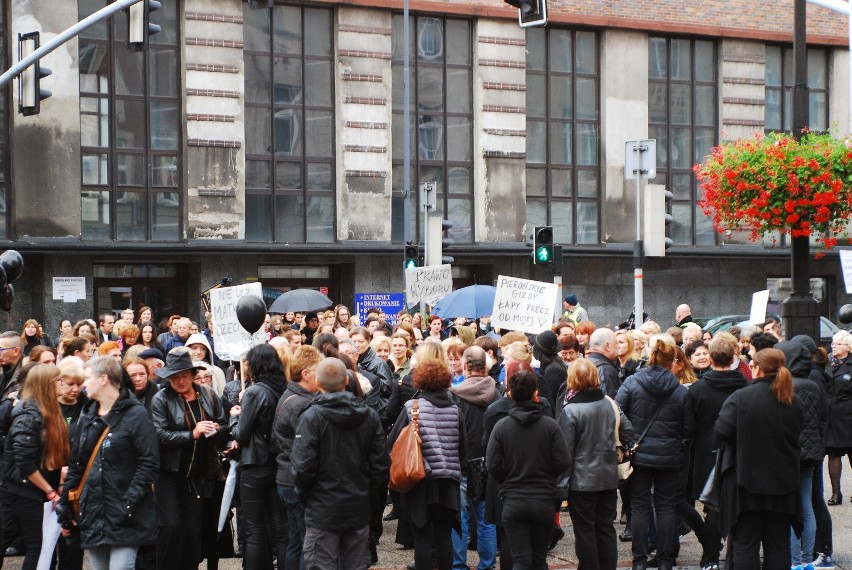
785 91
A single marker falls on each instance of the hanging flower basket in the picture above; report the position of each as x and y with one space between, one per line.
775 183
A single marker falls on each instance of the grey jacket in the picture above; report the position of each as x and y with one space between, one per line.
588 424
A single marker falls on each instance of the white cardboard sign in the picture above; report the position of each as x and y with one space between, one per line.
846 265
759 300
429 284
523 305
230 340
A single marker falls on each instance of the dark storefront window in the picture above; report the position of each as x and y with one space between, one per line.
779 89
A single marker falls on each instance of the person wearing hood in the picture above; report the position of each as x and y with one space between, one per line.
811 445
473 397
118 513
588 423
189 421
338 461
200 349
705 399
551 368
525 455
251 425
655 403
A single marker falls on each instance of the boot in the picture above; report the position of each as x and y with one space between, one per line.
639 564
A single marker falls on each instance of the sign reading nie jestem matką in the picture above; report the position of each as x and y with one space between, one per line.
230 340
428 284
523 305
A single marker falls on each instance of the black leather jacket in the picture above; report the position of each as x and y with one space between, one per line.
173 433
23 453
252 427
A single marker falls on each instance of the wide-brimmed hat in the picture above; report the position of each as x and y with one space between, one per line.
177 360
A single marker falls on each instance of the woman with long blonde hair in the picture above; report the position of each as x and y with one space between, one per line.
36 450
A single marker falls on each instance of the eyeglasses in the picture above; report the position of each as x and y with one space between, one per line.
4 349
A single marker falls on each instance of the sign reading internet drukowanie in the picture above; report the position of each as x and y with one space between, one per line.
230 339
428 284
523 305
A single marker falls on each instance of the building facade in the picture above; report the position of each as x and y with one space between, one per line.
267 144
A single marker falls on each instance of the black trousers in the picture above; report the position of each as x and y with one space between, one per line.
666 486
592 514
26 515
264 516
529 526
438 533
179 506
754 528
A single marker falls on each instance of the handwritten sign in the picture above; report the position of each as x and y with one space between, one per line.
846 265
389 303
230 340
428 284
523 305
759 300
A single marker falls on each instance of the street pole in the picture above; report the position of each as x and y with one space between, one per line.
638 254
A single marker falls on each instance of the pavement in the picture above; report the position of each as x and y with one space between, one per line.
392 557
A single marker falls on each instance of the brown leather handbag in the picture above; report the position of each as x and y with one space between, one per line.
77 492
407 469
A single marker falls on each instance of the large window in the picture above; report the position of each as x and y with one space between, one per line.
563 126
289 107
4 134
130 135
779 89
441 76
683 117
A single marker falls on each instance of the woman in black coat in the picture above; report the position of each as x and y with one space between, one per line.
552 369
760 492
838 433
117 509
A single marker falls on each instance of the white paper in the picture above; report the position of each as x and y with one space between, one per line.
50 531
759 300
230 339
846 266
429 284
523 305
69 289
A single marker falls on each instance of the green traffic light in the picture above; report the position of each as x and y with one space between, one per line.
544 254
410 264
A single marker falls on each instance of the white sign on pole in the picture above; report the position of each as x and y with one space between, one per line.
523 305
759 300
846 265
640 159
230 339
429 284
69 289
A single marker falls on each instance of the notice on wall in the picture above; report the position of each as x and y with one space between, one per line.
523 305
846 265
69 289
429 284
759 301
389 303
230 340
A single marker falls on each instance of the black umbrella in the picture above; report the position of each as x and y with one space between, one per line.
300 301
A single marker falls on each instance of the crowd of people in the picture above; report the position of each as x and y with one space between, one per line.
130 429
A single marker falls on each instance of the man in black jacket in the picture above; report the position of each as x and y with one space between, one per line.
602 353
339 458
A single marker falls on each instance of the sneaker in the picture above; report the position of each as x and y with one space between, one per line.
824 561
710 566
809 566
797 567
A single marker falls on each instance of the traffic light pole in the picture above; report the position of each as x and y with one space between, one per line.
638 255
64 37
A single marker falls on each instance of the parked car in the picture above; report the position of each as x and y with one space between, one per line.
827 329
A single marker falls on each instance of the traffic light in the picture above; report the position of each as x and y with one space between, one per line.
446 241
139 26
30 93
658 220
412 254
530 12
543 245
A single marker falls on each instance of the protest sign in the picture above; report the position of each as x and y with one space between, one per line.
428 284
846 266
230 340
759 301
523 305
389 303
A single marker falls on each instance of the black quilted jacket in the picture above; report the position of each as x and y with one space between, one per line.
814 403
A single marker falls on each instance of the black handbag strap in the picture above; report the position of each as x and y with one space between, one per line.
650 423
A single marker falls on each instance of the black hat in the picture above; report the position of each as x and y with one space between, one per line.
177 360
571 299
311 315
547 343
151 353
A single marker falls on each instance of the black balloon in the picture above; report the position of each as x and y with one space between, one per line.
2 278
12 263
251 312
6 298
845 314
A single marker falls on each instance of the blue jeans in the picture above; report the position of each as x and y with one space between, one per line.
296 518
486 535
802 549
113 557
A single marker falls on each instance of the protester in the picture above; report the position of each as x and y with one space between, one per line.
33 335
838 436
43 355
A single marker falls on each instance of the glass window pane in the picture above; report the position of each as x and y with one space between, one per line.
131 214
587 99
587 184
129 124
288 132
458 42
320 214
818 112
817 69
430 130
658 67
681 148
681 224
536 181
288 176
319 133
560 96
95 168
433 174
396 38
459 138
682 186
536 214
94 122
259 217
320 177
129 74
86 8
659 133
258 137
536 95
287 30
166 216
255 29
562 220
705 105
288 80
561 182
704 232
289 218
94 68
560 50
705 61
257 174
681 60
772 109
430 88
257 82
165 171
587 222
318 77
318 32
459 180
773 66
587 144
560 142
536 141
536 53
658 104
166 18
131 171
163 73
705 140
165 122
95 215
788 109
458 212
680 104
587 52
430 40
459 91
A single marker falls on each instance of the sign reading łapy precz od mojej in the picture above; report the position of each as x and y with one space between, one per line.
523 305
429 284
230 339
